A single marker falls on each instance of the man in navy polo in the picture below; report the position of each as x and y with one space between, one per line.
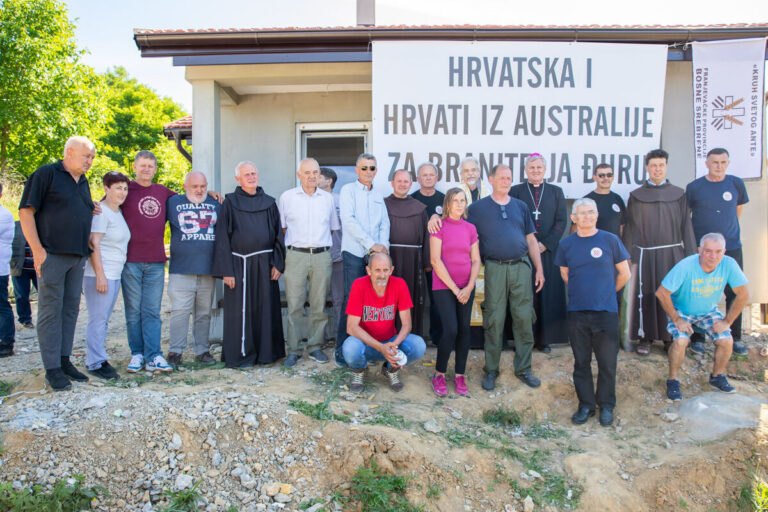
55 213
593 263
716 200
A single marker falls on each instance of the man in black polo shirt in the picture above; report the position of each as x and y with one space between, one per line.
55 213
507 234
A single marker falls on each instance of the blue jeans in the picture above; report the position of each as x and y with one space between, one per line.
7 325
357 354
142 294
354 268
22 285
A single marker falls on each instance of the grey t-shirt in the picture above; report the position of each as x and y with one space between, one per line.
192 234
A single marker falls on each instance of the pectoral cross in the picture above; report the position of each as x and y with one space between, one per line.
536 214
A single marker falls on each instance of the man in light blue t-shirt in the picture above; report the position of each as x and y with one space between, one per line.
689 295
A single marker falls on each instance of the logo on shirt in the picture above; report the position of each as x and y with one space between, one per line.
149 207
439 210
616 208
596 252
197 225
372 314
727 196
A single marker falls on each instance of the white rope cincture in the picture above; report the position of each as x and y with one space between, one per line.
245 267
640 330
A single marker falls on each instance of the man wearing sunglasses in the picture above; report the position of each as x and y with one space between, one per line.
365 224
610 206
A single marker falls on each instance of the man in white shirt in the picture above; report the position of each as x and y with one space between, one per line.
7 326
307 216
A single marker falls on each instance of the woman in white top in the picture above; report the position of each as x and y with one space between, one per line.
101 281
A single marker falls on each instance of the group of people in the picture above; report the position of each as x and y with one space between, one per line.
382 259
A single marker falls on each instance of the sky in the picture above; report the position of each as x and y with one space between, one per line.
105 27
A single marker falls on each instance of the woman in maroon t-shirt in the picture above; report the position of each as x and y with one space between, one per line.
455 256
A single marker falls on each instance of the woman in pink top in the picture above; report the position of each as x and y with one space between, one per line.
455 258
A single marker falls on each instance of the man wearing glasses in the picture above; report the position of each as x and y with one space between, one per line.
365 224
610 206
471 182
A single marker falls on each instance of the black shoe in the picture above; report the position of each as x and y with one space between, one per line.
174 359
70 371
106 372
57 380
291 360
581 416
28 325
6 350
489 381
529 379
544 348
606 417
205 358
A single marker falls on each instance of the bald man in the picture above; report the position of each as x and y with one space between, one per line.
192 217
55 213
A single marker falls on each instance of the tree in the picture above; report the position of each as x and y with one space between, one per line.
135 122
46 94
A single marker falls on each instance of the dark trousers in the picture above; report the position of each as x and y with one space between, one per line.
58 304
730 296
22 286
435 325
354 268
598 332
456 330
7 325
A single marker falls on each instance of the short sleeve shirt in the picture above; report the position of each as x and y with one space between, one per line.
378 314
434 203
695 292
113 246
192 234
591 263
144 211
63 209
713 207
611 211
501 228
457 238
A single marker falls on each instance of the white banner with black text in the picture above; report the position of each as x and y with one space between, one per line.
728 103
578 104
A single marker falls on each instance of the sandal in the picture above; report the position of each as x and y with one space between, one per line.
643 347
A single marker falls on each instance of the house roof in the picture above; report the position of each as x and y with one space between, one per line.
169 43
181 128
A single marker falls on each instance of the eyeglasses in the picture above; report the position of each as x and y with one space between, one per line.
503 212
367 168
605 175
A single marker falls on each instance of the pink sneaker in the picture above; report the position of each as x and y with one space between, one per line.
461 385
438 385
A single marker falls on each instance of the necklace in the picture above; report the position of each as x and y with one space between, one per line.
536 212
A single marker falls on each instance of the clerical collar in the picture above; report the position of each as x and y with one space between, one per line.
536 185
655 185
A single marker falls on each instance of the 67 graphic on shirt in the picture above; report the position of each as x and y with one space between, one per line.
197 224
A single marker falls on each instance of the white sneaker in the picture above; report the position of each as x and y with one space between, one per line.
159 364
136 364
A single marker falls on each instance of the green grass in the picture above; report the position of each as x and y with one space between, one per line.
326 379
502 417
434 491
553 490
62 498
385 416
320 411
753 496
125 381
376 491
6 387
194 365
304 505
183 501
544 431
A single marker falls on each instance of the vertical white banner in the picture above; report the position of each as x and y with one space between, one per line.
578 104
728 79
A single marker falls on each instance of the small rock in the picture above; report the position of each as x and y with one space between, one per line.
286 488
528 504
432 426
669 417
456 415
317 507
183 481
282 498
271 489
175 443
535 474
509 508
625 476
250 420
